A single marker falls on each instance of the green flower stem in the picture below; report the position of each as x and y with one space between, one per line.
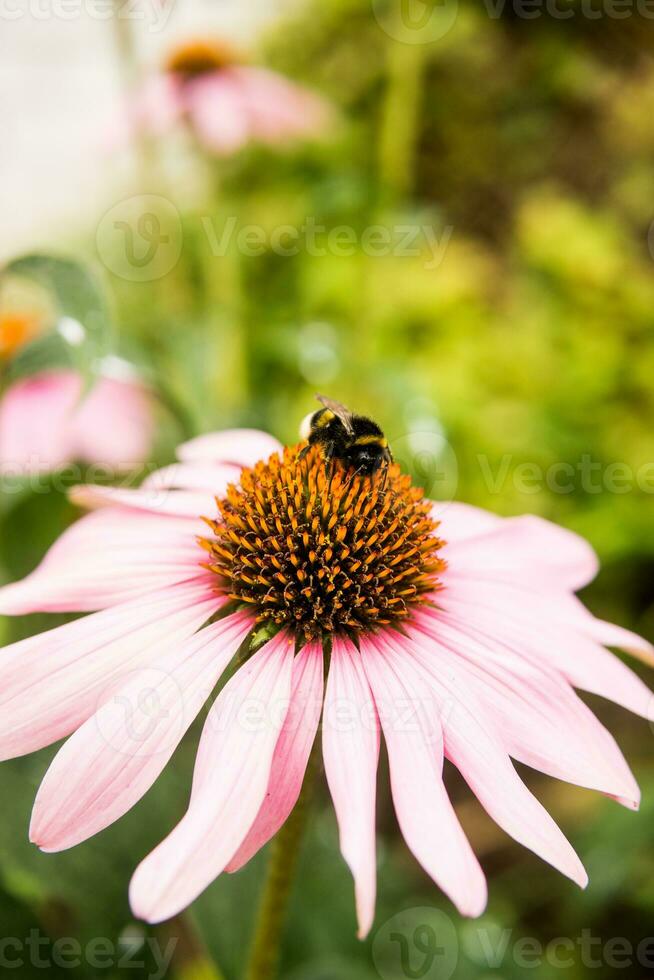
125 46
284 850
190 959
400 120
129 68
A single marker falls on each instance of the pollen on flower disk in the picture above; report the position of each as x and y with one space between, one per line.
321 549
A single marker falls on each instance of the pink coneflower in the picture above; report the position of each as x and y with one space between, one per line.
226 103
452 632
48 419
47 422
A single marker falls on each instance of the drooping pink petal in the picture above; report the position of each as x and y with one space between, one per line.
218 112
458 521
241 447
350 740
410 722
518 600
108 557
154 109
231 776
582 661
278 109
35 423
158 105
475 748
525 548
114 758
157 500
611 635
540 719
113 425
291 754
51 683
47 421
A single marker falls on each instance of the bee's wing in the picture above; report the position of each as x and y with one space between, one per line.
339 410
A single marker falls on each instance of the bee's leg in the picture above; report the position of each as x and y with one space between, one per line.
388 459
329 460
311 442
353 474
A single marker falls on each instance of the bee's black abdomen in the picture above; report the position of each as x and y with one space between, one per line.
365 427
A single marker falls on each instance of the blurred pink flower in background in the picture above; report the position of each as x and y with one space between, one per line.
493 643
227 104
48 420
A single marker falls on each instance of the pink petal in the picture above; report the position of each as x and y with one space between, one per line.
410 721
51 683
114 425
115 757
461 521
158 104
540 719
516 598
35 423
521 602
232 771
351 752
218 113
45 423
526 548
584 663
475 748
105 558
278 109
291 754
241 447
212 477
178 503
617 636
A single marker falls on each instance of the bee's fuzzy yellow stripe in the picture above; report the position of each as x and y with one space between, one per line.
369 440
323 419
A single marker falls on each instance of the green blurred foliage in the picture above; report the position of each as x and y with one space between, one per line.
516 344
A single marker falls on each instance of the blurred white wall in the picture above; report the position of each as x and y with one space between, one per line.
60 87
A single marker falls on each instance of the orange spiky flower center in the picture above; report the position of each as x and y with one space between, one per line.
198 57
324 552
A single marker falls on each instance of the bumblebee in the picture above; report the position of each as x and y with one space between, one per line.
354 440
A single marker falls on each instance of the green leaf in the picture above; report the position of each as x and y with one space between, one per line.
83 324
